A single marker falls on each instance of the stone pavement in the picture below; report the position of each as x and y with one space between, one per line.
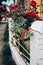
2 29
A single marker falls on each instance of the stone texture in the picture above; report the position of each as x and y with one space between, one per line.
2 29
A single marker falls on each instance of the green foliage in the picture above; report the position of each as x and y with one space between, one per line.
7 58
6 34
23 51
6 50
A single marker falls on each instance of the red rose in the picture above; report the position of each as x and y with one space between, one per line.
7 13
33 3
2 16
23 6
37 18
23 31
16 6
11 7
32 13
25 13
29 28
1 6
36 12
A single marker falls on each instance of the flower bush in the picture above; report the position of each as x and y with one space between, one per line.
33 3
2 12
22 20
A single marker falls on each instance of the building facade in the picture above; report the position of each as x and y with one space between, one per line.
39 6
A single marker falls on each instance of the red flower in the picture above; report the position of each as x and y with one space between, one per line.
25 13
37 18
36 12
7 13
16 6
32 13
1 6
29 28
23 31
33 3
23 6
2 16
11 7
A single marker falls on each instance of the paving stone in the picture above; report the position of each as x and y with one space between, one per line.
2 29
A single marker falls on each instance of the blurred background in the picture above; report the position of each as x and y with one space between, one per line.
26 3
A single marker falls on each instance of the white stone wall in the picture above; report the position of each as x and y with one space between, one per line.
14 50
36 44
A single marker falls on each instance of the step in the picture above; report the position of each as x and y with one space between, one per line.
1 53
1 43
1 32
2 27
4 22
1 36
1 61
1 46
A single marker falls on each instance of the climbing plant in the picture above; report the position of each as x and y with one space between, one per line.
6 56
